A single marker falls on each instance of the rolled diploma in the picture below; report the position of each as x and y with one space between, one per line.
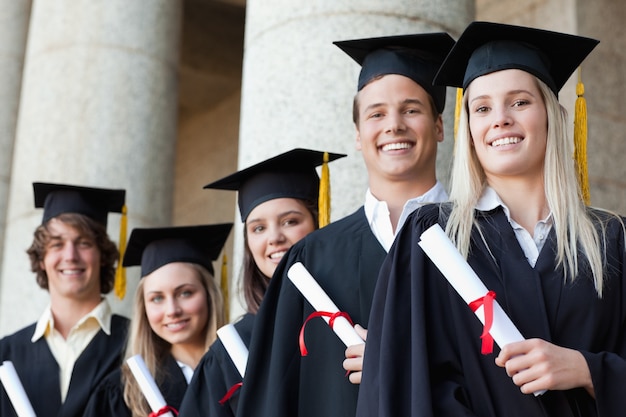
15 390
146 383
464 280
235 347
320 301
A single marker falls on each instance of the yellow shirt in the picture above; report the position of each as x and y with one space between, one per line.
67 351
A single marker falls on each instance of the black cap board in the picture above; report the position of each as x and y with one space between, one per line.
95 203
486 47
288 175
153 248
417 57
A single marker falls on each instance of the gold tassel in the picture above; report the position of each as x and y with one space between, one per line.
457 110
224 287
120 273
580 140
324 195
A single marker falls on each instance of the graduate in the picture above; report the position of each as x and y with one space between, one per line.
177 311
517 214
279 205
77 340
397 115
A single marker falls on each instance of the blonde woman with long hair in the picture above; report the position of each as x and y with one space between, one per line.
177 311
555 265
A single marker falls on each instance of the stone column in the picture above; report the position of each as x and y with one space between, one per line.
98 108
298 87
14 17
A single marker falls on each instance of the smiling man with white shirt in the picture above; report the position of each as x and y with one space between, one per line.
397 115
77 340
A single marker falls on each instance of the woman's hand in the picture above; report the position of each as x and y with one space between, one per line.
354 357
536 365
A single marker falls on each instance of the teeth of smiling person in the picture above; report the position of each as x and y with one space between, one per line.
506 141
277 255
176 325
71 271
396 146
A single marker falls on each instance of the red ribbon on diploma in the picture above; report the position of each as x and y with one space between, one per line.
487 303
333 316
163 410
230 393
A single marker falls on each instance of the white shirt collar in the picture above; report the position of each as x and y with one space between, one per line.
489 200
102 313
531 243
186 370
377 212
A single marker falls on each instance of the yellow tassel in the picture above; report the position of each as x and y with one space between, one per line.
224 287
457 110
120 273
324 195
580 140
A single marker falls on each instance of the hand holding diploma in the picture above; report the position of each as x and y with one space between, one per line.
354 357
148 386
467 284
320 301
15 390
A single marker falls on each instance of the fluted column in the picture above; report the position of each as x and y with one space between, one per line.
98 108
14 17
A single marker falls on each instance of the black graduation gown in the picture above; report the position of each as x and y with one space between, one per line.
215 375
344 257
108 398
423 349
39 372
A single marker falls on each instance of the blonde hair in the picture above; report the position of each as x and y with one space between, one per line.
573 225
142 340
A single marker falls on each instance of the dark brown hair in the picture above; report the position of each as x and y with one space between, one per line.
87 227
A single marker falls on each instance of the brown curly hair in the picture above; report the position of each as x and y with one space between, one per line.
86 226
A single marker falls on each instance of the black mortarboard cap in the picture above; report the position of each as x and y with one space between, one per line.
288 175
417 57
154 247
486 47
95 203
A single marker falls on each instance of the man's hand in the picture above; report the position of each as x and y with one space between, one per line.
354 357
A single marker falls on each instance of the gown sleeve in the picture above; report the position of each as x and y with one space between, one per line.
108 398
608 368
215 375
273 365
395 371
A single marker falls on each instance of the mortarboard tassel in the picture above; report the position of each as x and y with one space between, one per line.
580 140
120 272
457 110
224 288
324 194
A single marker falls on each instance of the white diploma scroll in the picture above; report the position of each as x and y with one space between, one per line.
314 294
235 347
15 390
464 280
147 384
